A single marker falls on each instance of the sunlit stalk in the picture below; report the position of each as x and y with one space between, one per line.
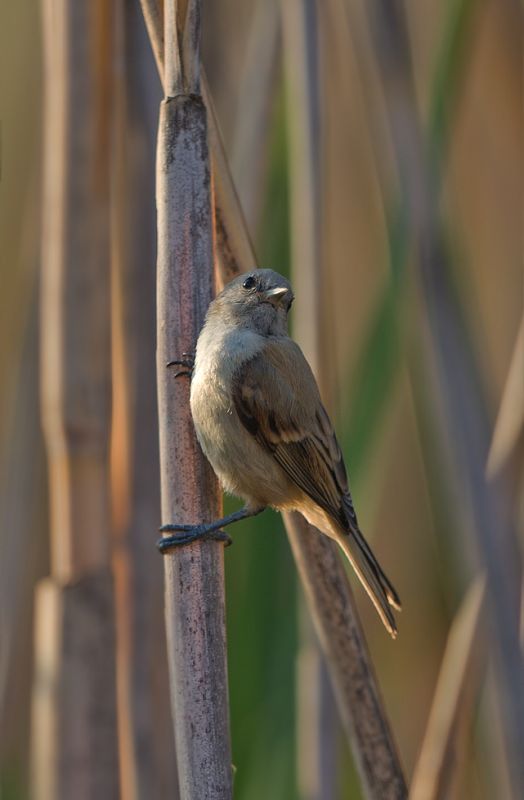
74 720
145 732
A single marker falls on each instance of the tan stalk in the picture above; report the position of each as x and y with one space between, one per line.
256 101
194 574
317 720
316 743
145 733
460 674
326 587
509 427
23 526
459 677
74 721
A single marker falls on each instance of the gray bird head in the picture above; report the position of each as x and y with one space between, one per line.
259 300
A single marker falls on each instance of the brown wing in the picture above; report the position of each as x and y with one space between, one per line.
277 400
276 397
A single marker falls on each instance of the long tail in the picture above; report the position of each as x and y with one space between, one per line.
372 577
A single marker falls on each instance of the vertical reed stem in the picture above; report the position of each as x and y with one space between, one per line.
316 741
145 733
194 575
75 742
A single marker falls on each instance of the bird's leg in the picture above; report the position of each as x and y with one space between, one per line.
188 361
186 534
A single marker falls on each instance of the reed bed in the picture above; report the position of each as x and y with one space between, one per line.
371 151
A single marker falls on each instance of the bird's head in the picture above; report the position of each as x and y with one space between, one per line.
258 300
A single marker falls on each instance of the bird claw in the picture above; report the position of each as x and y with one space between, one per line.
188 361
187 534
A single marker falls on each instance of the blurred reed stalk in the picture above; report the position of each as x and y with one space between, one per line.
146 744
368 731
453 371
458 683
508 435
23 543
324 579
250 151
460 673
317 723
74 706
194 574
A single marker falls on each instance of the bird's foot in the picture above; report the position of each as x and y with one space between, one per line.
187 534
187 361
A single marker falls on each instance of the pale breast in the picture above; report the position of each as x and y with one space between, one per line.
220 352
244 468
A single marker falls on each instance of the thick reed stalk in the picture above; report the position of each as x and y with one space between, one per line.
194 575
355 686
75 750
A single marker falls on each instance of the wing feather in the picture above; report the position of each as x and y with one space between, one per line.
277 401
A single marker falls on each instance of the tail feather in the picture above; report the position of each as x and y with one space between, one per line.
381 592
391 594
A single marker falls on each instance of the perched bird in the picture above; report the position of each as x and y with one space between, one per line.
261 423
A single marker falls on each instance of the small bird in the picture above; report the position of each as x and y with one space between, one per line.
260 421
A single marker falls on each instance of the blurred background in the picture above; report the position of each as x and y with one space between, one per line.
407 118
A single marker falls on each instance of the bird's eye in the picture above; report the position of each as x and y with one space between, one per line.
290 302
249 283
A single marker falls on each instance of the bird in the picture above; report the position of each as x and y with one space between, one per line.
260 422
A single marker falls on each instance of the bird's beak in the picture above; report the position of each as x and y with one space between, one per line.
275 296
